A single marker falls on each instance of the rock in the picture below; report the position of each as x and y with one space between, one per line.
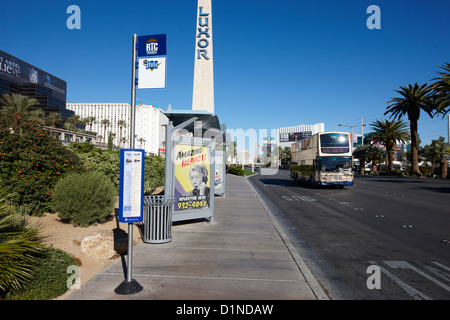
104 245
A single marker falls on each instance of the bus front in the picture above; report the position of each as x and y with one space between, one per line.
334 161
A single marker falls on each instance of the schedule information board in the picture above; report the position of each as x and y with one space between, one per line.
131 189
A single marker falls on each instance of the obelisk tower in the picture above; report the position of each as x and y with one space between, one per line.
203 95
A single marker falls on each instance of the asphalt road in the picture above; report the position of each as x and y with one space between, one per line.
382 238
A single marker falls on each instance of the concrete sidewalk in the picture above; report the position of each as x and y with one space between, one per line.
243 255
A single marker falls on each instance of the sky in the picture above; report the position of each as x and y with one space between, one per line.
276 63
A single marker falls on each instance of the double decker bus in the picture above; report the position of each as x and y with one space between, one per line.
323 159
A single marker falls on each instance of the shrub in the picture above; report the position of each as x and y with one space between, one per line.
84 199
154 173
100 160
32 161
235 169
50 280
108 163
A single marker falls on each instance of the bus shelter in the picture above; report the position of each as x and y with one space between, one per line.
194 163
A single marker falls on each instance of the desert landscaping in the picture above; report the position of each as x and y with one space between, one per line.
93 247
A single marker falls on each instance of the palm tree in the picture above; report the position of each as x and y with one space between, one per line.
441 148
74 120
121 124
142 141
90 122
368 152
19 244
105 123
17 104
85 122
360 153
37 115
414 99
375 154
441 89
123 140
430 155
52 118
388 133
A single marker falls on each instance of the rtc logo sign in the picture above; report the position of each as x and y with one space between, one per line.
152 45
151 48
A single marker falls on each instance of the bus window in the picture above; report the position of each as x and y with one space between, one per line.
334 143
335 164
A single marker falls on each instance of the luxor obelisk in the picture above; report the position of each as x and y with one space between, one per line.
203 94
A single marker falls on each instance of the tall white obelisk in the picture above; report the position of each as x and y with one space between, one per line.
203 95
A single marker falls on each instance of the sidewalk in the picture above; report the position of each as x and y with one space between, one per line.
243 255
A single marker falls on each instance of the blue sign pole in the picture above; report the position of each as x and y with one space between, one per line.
130 286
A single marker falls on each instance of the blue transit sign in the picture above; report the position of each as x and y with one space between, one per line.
153 45
131 185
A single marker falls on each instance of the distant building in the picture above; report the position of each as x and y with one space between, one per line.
149 130
288 135
17 76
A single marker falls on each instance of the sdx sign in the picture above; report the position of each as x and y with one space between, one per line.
152 45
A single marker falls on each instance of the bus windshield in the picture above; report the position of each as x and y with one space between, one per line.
334 143
335 164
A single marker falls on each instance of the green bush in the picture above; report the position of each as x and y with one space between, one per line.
32 161
84 199
108 163
50 280
235 169
154 172
100 160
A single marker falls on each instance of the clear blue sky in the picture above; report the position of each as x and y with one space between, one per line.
276 63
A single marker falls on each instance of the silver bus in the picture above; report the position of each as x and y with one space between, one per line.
323 159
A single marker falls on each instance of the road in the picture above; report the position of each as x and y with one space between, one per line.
382 238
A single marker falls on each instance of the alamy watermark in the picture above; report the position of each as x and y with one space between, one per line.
250 141
374 20
74 280
74 20
374 280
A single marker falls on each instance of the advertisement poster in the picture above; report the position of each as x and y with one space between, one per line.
131 193
192 177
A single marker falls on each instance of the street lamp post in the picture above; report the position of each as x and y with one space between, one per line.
360 125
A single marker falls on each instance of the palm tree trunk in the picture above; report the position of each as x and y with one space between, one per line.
414 148
362 165
391 161
443 165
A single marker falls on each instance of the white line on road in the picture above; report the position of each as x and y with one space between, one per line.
417 295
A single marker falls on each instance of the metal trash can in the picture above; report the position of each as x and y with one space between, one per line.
158 219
